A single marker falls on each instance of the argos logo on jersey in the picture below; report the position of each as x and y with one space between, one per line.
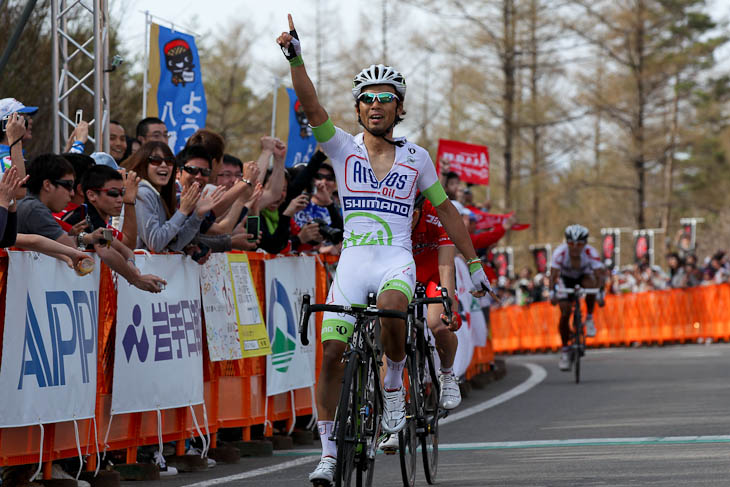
398 184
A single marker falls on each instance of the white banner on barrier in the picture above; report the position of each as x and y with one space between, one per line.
48 371
158 361
290 365
465 349
221 324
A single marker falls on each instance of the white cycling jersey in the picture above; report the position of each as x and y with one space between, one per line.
378 212
589 261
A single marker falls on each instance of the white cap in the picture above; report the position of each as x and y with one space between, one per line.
11 105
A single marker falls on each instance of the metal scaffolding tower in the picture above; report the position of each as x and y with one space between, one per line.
94 83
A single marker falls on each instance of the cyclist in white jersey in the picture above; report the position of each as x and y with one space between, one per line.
377 180
574 263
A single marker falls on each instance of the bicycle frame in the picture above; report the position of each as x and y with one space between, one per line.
577 347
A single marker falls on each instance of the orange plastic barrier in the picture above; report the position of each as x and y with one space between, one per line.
654 317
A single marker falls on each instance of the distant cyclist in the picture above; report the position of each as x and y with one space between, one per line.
574 263
378 177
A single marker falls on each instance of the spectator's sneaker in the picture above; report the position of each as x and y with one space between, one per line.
58 473
394 411
199 452
450 393
324 474
564 363
590 326
165 470
390 445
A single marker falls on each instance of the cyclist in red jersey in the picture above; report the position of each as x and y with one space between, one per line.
434 255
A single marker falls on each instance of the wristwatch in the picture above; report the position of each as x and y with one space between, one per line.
247 181
80 240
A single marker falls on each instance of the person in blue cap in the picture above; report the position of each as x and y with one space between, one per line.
10 111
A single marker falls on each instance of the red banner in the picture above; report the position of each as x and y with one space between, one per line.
469 161
485 221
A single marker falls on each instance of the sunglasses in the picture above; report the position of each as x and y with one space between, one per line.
196 170
369 98
157 160
111 192
67 184
328 177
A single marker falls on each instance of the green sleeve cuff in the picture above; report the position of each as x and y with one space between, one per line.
324 132
435 194
474 267
296 61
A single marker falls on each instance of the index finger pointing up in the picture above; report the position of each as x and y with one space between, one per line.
291 22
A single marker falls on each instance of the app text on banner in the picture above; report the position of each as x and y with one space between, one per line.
290 365
469 161
48 371
252 330
221 323
176 84
158 355
292 126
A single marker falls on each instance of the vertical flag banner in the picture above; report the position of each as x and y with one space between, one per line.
502 260
290 365
49 342
469 161
292 126
158 354
611 247
541 255
644 246
251 329
176 84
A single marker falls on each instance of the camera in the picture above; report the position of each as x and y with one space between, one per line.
107 236
330 233
6 119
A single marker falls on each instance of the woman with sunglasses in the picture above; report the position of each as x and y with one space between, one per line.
161 225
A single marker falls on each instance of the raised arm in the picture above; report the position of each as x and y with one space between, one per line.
292 49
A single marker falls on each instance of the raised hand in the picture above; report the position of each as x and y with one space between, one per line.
297 204
131 185
268 143
15 129
189 198
208 201
289 41
279 150
251 171
8 186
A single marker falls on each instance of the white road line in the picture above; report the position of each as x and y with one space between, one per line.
646 440
537 375
254 473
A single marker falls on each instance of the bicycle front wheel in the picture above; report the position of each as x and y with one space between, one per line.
431 412
346 427
407 439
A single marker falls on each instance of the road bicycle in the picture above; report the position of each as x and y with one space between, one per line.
422 402
578 340
357 427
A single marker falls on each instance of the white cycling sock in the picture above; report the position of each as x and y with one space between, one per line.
447 370
329 447
394 375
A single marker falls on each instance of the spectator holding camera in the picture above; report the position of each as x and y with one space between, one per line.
16 128
50 189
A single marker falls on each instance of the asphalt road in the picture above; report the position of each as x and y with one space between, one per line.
640 417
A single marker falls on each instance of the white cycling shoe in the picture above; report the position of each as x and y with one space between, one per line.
394 411
564 363
590 326
324 474
450 393
390 446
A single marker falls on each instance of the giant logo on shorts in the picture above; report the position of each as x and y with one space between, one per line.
381 235
398 184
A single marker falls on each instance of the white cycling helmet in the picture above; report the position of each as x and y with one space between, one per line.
379 74
576 233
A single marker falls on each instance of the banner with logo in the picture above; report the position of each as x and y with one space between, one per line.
502 260
611 247
292 126
233 323
176 84
158 356
290 365
485 221
644 246
469 161
541 256
48 371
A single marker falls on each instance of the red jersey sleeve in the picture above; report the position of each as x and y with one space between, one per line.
436 231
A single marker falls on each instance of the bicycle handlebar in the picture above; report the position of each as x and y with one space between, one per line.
579 290
444 300
308 309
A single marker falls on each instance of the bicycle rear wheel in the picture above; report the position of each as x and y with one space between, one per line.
346 427
371 425
431 412
407 440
